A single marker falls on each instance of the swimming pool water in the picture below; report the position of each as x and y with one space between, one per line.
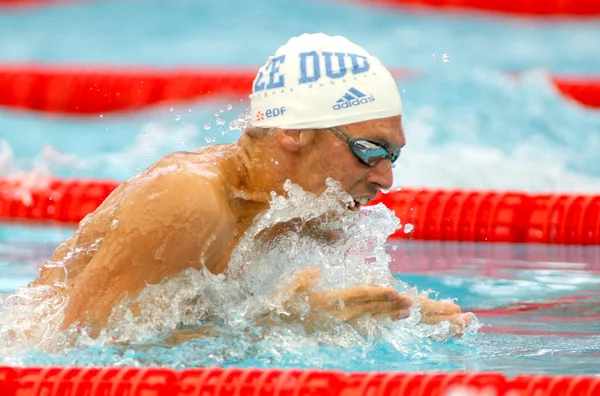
468 124
203 32
538 304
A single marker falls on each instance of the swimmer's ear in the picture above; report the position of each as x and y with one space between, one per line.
294 139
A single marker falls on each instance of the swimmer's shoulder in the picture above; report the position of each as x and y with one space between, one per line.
185 174
171 192
204 159
183 178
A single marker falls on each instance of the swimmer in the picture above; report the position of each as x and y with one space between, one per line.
320 107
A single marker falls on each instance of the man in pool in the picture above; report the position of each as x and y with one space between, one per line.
321 107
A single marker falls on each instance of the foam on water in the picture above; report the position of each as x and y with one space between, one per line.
242 312
122 145
484 129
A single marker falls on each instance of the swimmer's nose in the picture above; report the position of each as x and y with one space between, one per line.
381 175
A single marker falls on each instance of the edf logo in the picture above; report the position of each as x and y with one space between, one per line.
275 112
270 113
311 66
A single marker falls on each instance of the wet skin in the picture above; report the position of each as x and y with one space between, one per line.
189 210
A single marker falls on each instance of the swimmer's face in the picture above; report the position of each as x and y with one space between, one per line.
333 158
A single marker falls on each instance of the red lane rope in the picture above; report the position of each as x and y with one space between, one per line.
427 214
583 90
86 91
133 381
545 8
94 90
540 8
30 3
496 216
49 199
586 307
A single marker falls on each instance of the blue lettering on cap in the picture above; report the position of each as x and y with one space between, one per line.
276 79
275 112
356 69
310 69
304 78
328 67
258 84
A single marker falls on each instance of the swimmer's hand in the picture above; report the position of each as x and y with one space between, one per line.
434 312
344 305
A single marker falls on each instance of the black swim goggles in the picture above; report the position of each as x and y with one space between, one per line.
368 152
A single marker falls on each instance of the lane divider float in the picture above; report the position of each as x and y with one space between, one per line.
90 91
154 381
541 9
426 214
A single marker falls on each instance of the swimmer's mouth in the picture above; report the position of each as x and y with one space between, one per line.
358 202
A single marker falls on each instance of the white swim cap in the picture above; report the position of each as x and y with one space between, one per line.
321 81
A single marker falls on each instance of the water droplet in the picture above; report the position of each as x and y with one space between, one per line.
137 167
207 139
229 107
220 121
216 114
385 191
403 90
177 117
220 110
100 115
114 223
182 142
394 247
408 228
214 139
276 162
145 134
171 109
207 126
446 58
189 110
434 57
393 166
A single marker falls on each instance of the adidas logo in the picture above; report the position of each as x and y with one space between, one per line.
352 98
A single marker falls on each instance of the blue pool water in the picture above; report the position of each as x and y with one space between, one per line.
468 124
538 304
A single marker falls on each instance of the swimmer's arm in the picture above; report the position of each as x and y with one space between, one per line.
165 224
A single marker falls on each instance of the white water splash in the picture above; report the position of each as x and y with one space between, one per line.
347 247
474 166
